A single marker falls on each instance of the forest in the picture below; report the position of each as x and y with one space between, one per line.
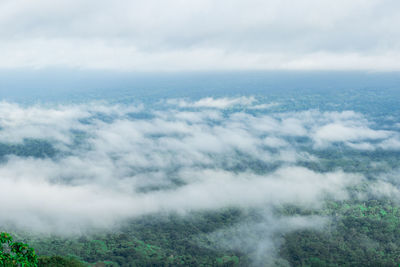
358 233
248 133
345 211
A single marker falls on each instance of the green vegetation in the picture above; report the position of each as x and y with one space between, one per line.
16 253
58 261
361 231
149 241
359 234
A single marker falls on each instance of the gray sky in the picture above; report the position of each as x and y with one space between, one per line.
179 35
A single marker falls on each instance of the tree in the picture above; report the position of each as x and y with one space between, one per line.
16 253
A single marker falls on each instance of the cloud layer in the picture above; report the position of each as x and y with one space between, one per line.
200 35
113 164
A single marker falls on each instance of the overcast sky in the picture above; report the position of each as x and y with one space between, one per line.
180 35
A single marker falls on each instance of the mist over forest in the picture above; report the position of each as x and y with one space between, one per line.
269 178
199 133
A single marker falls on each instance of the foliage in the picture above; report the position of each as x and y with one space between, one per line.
16 253
149 241
59 261
360 234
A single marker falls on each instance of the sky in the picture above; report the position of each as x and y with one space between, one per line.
178 35
114 162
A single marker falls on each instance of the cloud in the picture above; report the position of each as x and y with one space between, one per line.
390 144
94 199
347 127
112 166
210 102
200 35
264 106
361 146
275 142
261 239
337 132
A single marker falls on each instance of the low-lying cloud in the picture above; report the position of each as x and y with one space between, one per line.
111 165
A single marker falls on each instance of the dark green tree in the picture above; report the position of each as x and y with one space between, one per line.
16 253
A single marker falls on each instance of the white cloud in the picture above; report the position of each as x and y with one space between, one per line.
361 146
338 132
35 202
176 160
259 239
210 102
390 144
264 106
200 35
275 142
